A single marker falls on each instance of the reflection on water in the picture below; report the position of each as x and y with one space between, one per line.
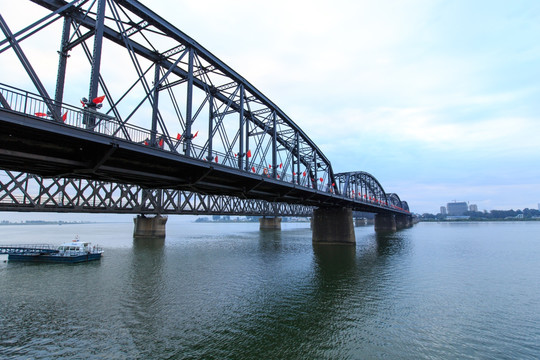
391 244
230 291
269 240
332 260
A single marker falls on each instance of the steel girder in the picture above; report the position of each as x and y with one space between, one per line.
395 202
27 192
199 106
361 186
405 206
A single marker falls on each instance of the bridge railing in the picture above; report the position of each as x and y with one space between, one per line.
28 103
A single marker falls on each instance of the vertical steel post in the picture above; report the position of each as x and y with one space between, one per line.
316 182
189 105
210 125
274 146
297 158
96 59
155 100
241 153
62 61
246 121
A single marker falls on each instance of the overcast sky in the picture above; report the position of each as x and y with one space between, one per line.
439 100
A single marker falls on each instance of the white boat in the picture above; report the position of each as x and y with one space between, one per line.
70 252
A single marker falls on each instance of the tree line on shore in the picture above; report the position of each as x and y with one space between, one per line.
491 215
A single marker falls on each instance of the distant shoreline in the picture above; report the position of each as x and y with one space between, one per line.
479 220
43 222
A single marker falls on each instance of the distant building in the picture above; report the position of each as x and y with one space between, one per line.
443 210
457 208
473 207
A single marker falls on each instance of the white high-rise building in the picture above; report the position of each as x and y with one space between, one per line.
473 207
443 210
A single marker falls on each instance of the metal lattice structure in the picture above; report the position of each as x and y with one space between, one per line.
206 110
25 192
363 186
162 113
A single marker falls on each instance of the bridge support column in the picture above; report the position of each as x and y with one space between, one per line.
360 222
403 221
385 223
271 223
333 226
149 226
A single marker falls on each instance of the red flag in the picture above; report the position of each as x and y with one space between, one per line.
293 173
83 104
178 136
278 176
145 142
253 168
304 173
40 114
197 133
333 184
280 165
98 100
269 166
64 117
160 142
249 153
321 179
216 159
235 154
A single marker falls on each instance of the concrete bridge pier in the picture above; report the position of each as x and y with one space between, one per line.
403 221
149 227
270 223
385 223
333 226
360 222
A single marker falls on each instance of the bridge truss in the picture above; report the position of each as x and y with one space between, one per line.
32 193
190 101
365 187
210 141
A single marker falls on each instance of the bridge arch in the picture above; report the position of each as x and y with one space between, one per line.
394 200
198 124
361 185
199 106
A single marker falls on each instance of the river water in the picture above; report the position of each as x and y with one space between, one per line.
229 291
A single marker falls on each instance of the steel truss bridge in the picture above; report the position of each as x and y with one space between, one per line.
163 127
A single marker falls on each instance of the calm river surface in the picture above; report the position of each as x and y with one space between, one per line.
228 291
